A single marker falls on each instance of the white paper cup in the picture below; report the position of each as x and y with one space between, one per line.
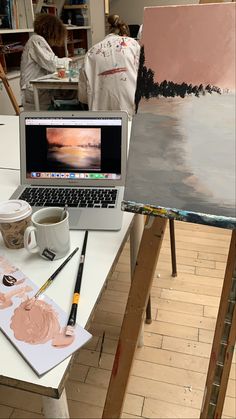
15 217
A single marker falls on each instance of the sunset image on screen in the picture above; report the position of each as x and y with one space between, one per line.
74 148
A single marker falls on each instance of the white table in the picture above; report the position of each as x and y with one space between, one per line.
50 82
9 142
104 247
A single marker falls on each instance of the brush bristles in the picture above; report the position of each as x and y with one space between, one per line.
29 304
69 330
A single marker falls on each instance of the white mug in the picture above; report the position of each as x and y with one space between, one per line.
50 227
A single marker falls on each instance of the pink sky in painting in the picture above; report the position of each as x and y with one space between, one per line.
193 43
74 136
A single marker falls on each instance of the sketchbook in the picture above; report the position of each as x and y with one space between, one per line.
38 334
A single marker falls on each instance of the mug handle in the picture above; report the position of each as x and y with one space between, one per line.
27 239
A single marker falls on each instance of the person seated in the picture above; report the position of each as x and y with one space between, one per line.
108 76
38 58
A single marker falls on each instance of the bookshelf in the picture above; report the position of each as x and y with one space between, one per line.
16 14
76 17
12 42
16 25
54 7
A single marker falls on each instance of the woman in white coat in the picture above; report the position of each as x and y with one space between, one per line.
108 77
38 58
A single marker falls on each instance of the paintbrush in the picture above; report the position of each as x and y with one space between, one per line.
76 295
63 213
28 306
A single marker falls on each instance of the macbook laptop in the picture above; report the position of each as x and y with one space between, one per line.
75 158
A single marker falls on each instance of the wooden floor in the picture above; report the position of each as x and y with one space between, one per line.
169 372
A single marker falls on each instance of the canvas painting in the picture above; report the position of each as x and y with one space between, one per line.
185 121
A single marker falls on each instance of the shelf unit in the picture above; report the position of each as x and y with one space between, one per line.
93 22
12 42
77 40
77 19
54 7
77 15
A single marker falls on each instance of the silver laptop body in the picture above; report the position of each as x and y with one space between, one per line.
70 151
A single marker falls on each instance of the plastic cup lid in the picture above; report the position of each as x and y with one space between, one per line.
14 210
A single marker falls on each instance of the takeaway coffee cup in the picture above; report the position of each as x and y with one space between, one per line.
14 219
49 235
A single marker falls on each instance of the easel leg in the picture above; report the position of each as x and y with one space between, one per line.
148 319
172 245
9 91
135 239
223 342
149 311
56 408
133 319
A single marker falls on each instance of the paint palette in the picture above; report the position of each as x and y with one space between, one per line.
38 334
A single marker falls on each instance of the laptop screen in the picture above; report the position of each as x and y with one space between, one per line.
73 148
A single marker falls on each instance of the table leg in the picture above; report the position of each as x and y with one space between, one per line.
36 98
149 250
56 408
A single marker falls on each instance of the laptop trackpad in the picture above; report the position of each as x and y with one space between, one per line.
87 219
74 218
95 219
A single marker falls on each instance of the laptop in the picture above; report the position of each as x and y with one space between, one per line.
75 158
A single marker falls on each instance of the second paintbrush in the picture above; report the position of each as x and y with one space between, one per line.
49 281
76 296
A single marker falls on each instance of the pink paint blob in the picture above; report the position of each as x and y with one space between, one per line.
6 298
20 281
61 340
6 267
38 325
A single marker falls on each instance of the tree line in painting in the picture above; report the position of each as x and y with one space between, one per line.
148 88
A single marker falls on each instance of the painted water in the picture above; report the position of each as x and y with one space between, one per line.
76 157
182 154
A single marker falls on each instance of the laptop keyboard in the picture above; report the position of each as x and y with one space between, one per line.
73 197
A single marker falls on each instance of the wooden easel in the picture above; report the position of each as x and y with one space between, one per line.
9 90
225 331
223 342
148 254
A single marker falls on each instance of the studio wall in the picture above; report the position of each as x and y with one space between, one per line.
132 10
